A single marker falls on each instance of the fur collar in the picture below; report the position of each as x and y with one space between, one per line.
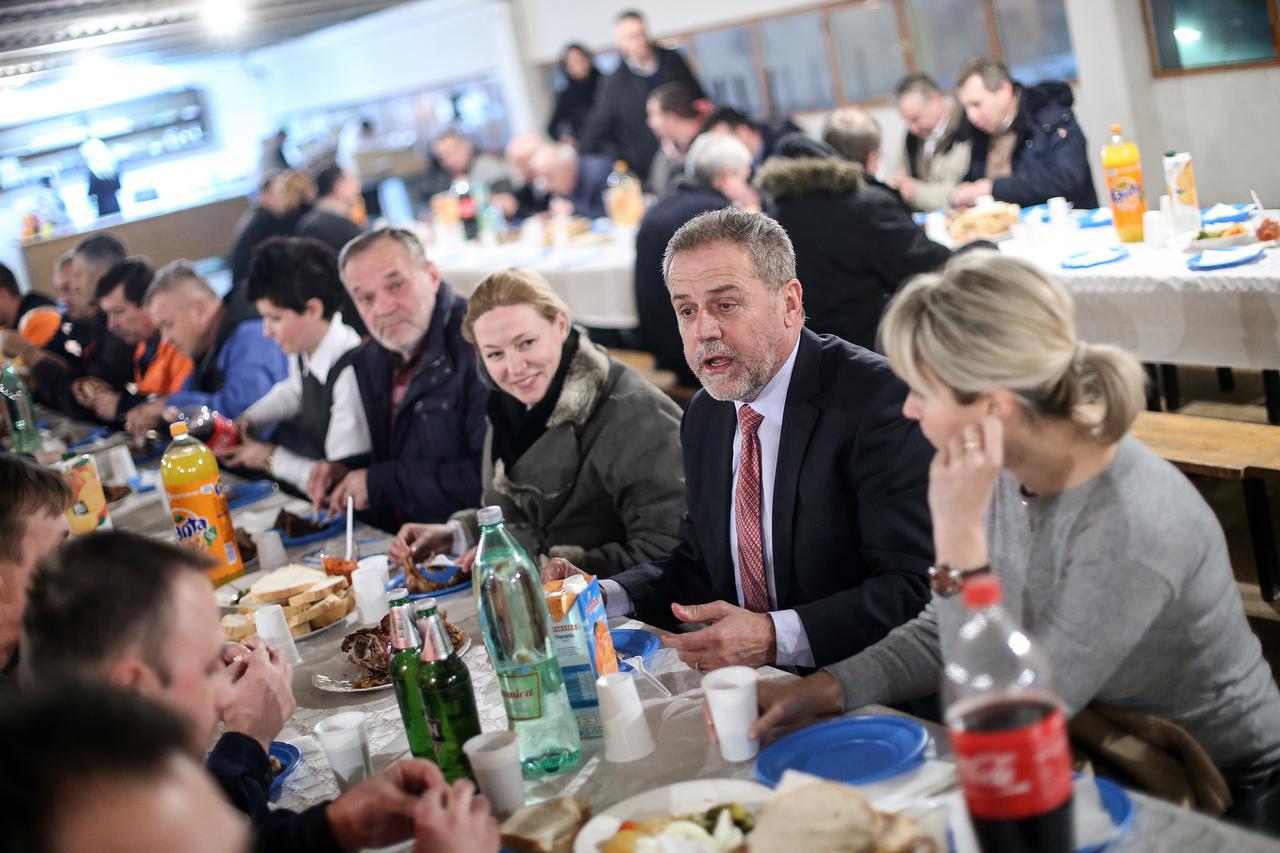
780 177
587 376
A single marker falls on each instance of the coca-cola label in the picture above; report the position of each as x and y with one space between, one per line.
1016 773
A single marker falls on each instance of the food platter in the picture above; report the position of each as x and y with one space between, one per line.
339 674
692 796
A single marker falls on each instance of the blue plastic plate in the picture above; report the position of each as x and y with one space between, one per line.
1117 803
288 755
632 642
853 750
438 574
312 558
1221 259
336 526
1094 258
251 492
93 435
1242 214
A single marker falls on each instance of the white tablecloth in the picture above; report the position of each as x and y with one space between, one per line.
594 280
1153 306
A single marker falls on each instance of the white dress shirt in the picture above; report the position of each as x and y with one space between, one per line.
792 641
348 433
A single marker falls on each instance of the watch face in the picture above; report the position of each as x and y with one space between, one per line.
945 581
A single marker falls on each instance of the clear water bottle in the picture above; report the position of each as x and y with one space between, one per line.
24 433
1008 731
517 632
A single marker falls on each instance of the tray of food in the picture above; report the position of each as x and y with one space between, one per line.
364 660
313 602
993 221
1222 237
436 576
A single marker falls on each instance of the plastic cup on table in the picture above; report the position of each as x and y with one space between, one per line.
271 550
495 760
731 695
1153 229
274 629
371 594
626 731
345 739
116 465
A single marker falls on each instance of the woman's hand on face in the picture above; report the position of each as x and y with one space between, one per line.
962 480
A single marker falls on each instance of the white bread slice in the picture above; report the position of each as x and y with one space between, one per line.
317 591
289 609
279 586
300 629
332 609
825 817
237 626
548 827
299 618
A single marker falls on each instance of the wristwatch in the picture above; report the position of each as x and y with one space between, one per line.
947 581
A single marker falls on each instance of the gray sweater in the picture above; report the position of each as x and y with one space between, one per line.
1125 583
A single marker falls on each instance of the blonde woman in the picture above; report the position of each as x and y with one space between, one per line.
1107 554
581 453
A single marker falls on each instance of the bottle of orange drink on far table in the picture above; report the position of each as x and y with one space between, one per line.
199 504
1122 164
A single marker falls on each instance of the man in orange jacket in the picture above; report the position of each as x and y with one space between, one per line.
32 314
158 368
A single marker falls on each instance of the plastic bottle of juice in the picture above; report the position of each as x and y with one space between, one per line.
198 503
1122 164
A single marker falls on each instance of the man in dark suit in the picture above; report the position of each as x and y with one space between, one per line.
807 536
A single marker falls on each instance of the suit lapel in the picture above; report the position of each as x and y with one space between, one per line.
797 426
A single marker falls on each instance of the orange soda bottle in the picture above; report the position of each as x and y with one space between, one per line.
198 503
1122 165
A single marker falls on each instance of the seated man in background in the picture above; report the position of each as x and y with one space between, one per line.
1029 148
760 137
158 368
854 134
294 285
32 314
808 527
33 522
526 198
458 157
717 173
92 767
333 220
580 179
675 112
937 146
154 630
235 363
423 401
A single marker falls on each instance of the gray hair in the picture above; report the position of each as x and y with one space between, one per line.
712 153
771 251
919 84
364 242
987 322
175 275
993 72
854 133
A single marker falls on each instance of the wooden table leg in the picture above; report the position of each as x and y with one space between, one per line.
1258 510
1226 379
1169 386
1271 388
1153 387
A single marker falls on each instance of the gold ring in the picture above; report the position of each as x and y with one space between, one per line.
972 444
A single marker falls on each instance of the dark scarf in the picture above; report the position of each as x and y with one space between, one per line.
515 427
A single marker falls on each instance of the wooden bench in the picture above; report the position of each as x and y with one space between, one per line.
646 365
1228 450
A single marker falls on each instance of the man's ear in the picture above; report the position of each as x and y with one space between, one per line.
793 303
130 673
313 307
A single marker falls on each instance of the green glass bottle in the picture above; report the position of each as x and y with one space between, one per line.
404 676
517 632
422 608
24 433
447 698
397 597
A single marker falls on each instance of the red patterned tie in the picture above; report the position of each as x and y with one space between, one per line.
746 508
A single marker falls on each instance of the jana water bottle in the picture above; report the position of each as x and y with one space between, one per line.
24 433
517 632
1008 731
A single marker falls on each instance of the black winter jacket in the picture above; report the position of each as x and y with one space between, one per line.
1051 156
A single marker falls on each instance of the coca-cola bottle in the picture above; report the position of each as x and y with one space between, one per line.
1008 731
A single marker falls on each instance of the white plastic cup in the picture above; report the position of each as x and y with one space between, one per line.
626 731
731 694
274 629
116 465
495 760
271 550
371 594
1153 229
345 738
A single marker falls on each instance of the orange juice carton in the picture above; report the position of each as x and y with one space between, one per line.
88 510
583 643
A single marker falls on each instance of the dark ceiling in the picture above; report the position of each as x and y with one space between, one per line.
39 38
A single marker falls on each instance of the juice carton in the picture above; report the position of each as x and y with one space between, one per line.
88 510
583 643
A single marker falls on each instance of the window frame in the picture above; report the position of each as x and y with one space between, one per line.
1273 11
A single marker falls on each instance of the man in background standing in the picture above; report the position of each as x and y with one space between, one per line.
617 124
675 115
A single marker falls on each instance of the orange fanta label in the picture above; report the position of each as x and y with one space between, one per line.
202 521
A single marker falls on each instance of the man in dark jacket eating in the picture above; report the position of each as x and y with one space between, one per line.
1028 148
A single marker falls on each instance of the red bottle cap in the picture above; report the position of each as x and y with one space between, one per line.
981 591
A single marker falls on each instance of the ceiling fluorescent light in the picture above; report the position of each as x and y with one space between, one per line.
223 17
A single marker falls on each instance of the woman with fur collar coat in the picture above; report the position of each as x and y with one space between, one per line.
582 453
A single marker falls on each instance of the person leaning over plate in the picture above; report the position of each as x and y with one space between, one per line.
1108 555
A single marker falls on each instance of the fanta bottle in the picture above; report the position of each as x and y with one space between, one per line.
199 504
1122 165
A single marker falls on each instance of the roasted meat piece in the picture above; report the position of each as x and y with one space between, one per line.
295 526
370 647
